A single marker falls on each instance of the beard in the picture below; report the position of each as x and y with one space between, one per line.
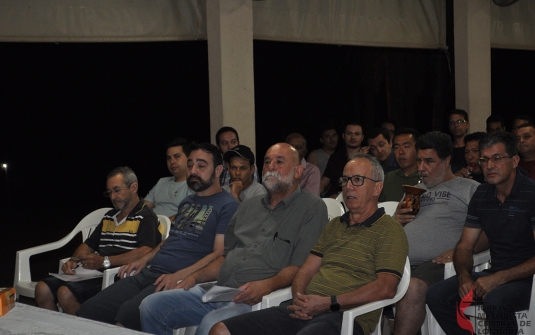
278 184
200 184
121 203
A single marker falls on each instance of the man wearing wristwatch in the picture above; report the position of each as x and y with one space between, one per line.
124 235
359 258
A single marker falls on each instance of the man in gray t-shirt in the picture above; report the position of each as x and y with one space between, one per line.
240 160
267 240
165 196
434 231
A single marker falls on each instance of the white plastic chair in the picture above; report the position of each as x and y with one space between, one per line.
334 208
273 299
389 206
109 274
23 277
340 199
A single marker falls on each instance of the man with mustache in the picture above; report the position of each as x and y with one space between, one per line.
433 233
195 239
358 259
504 209
525 138
125 234
267 240
240 160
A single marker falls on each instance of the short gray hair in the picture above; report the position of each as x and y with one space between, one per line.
377 170
129 177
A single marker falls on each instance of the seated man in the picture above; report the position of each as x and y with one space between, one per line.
266 241
125 234
329 142
353 136
359 258
227 138
525 137
471 154
241 166
495 123
310 180
435 230
195 239
505 210
404 144
170 191
380 144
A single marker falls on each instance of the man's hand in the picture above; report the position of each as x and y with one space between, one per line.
305 307
168 281
253 293
364 150
186 283
466 283
235 188
92 261
403 215
484 285
464 173
445 257
69 266
127 269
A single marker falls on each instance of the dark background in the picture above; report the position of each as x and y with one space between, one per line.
69 113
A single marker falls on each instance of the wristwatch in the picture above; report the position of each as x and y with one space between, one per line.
106 262
335 306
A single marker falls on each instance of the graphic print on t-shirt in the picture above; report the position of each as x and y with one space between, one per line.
191 218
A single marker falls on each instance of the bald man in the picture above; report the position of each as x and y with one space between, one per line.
266 242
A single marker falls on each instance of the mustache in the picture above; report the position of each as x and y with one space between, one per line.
271 174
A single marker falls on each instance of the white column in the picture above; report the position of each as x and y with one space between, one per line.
229 25
472 60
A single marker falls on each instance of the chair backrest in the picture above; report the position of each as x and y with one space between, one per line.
334 208
340 199
165 226
349 316
89 222
389 206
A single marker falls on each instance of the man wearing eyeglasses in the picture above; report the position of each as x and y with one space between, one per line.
195 239
503 209
359 258
458 125
434 231
124 235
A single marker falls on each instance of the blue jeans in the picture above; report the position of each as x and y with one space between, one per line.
499 304
164 311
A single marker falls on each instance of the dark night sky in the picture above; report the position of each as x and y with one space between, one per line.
72 112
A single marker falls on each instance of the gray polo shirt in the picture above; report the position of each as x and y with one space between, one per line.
261 241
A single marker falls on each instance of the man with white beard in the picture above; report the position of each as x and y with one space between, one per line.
266 242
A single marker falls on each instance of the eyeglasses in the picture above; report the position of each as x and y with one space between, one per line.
494 159
460 121
356 180
116 190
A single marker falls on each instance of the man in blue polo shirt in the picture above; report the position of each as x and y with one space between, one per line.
504 209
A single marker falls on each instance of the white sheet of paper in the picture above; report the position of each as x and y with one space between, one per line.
79 274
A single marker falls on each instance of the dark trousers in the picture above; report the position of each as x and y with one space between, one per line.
499 305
